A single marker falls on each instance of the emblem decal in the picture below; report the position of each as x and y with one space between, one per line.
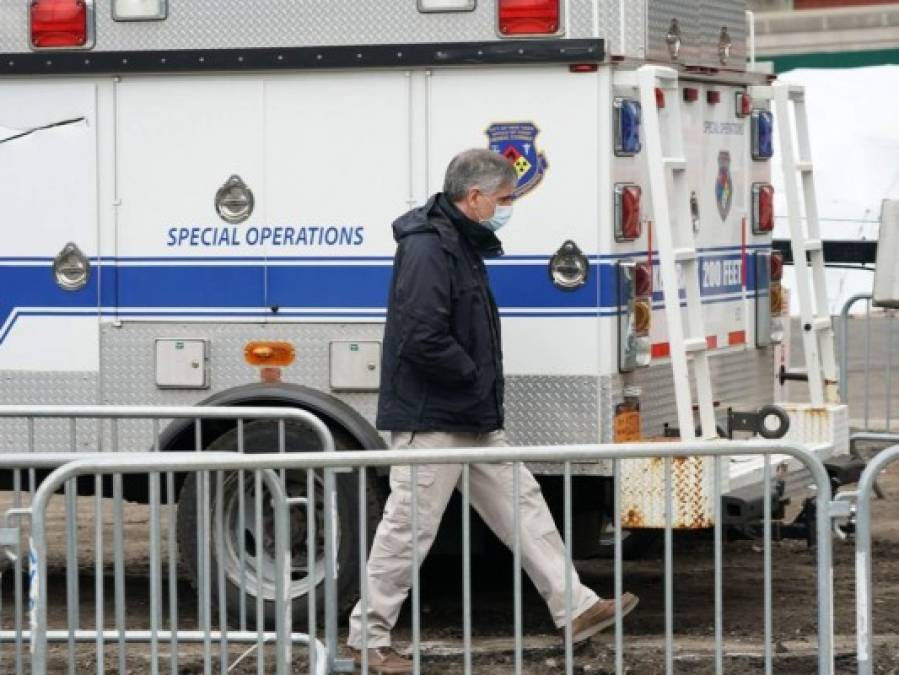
724 186
516 141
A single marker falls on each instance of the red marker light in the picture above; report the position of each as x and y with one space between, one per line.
660 98
642 280
627 212
744 104
58 23
777 266
528 17
713 97
691 94
583 67
762 208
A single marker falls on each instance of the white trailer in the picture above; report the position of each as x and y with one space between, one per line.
198 201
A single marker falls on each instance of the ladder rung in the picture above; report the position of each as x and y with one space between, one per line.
822 323
684 255
812 245
675 163
692 345
805 167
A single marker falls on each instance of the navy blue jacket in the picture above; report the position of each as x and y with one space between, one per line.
442 358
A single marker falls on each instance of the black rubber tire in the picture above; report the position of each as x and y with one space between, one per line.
263 437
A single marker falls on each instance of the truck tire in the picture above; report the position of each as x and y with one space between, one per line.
241 587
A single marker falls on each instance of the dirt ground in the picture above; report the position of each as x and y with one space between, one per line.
794 594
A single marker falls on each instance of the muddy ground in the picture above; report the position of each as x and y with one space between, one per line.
794 594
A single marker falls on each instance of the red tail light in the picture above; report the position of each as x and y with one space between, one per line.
627 212
528 17
691 94
713 97
59 23
744 104
642 279
777 266
660 98
762 208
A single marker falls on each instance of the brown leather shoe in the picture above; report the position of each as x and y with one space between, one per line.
599 616
384 661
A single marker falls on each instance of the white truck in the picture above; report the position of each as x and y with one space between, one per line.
198 199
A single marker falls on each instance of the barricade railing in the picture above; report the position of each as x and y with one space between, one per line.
358 462
864 597
323 467
166 566
876 369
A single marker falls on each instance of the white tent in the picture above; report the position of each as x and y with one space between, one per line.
854 129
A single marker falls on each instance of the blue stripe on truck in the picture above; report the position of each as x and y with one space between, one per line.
338 288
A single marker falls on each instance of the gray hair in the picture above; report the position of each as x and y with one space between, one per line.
477 168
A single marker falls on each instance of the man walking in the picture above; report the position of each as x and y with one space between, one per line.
442 387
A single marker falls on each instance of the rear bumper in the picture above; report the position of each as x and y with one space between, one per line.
747 505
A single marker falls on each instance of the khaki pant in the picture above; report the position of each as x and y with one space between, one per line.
390 563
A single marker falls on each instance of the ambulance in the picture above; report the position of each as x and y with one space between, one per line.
198 198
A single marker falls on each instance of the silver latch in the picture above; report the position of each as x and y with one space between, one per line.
71 268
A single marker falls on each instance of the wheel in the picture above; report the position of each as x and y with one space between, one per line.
242 584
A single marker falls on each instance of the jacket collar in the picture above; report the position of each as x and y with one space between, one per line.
452 224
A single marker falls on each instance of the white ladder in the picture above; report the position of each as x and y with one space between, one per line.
674 234
817 328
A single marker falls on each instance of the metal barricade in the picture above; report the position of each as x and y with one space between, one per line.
668 452
179 631
875 369
162 624
863 547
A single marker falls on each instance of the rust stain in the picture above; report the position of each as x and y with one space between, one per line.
633 518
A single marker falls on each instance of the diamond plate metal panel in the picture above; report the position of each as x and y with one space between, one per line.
633 41
539 409
580 19
128 357
660 14
636 29
219 24
552 410
740 378
715 16
643 492
827 425
47 388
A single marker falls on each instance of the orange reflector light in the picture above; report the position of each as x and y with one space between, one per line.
642 317
269 353
775 292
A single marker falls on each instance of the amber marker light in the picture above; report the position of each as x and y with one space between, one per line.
269 354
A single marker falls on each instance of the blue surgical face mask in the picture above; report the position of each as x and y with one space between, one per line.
501 217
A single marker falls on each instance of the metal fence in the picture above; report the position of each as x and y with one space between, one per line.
325 473
867 386
864 596
171 621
